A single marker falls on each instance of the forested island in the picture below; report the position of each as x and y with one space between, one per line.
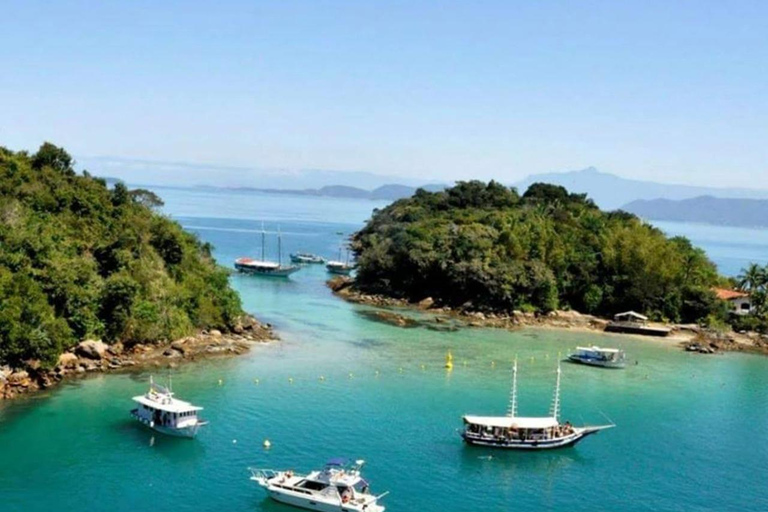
79 260
484 247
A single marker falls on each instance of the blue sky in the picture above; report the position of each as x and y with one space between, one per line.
672 91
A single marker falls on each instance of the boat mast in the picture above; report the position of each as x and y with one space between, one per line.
263 242
555 410
512 410
279 247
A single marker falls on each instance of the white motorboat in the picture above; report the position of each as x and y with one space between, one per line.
597 356
306 258
160 411
338 487
263 267
525 433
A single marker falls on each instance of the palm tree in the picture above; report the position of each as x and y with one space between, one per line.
753 278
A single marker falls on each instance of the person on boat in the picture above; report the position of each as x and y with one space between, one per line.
346 495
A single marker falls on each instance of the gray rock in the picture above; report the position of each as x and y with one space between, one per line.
92 349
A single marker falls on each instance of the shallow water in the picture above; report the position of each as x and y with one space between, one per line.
691 435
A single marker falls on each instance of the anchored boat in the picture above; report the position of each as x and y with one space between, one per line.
263 267
338 487
596 356
307 258
160 411
340 267
525 433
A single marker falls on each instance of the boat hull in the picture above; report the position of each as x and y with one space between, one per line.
315 504
616 365
516 444
266 272
185 432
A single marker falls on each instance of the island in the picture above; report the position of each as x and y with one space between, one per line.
94 278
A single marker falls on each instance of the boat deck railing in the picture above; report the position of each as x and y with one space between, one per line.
266 474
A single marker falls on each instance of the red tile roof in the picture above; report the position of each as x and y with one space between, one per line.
725 294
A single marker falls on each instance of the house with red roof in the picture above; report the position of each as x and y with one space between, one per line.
739 301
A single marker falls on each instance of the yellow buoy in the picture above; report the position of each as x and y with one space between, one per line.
400 369
449 361
290 380
267 444
221 382
423 367
322 378
377 373
256 381
493 363
351 375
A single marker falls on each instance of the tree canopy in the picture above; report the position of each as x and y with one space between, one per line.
486 247
79 260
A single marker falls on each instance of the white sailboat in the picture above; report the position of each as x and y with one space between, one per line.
263 267
338 487
525 433
160 411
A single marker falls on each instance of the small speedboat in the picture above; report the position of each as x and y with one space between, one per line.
597 356
525 433
160 411
306 258
338 487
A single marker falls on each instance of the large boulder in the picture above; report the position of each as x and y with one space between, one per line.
92 349
426 303
67 360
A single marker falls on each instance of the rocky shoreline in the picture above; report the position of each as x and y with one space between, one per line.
691 338
95 356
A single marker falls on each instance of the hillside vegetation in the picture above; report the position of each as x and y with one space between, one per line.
485 247
80 260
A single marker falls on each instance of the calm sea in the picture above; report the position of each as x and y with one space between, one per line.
692 431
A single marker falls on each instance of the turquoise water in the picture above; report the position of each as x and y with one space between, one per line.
692 431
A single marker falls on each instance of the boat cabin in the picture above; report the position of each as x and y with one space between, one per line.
160 410
505 428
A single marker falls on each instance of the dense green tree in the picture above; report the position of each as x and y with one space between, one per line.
483 246
78 260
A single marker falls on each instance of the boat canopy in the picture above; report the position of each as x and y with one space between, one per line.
599 349
630 315
166 403
516 422
337 461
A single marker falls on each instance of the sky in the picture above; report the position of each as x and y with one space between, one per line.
671 91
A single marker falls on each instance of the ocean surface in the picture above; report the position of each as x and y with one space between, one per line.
691 435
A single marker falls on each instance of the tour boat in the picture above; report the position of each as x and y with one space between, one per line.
596 356
525 433
340 267
160 411
305 257
263 267
338 487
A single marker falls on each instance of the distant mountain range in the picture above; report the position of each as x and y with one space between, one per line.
390 192
184 174
610 191
705 209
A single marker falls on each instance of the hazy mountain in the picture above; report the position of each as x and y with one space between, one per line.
385 192
182 174
705 209
610 191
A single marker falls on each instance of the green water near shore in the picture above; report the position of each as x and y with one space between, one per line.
692 430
